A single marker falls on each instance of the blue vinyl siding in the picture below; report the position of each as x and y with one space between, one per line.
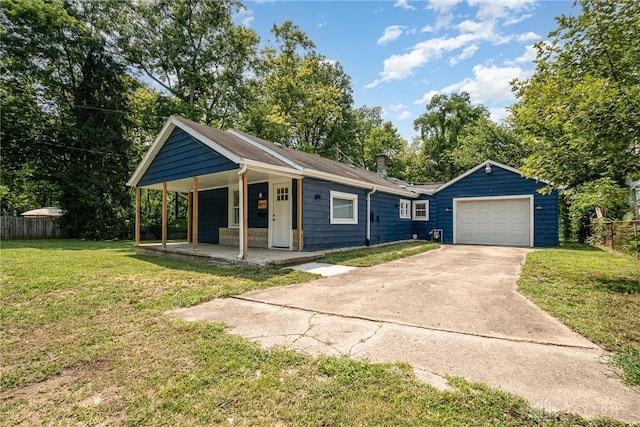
500 182
258 218
182 156
423 228
319 233
213 213
386 225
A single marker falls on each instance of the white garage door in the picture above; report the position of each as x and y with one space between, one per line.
503 222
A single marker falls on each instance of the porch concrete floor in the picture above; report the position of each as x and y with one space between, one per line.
228 255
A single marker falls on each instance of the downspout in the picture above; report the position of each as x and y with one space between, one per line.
241 235
373 190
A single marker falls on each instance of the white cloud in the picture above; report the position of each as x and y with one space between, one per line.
490 84
397 107
391 33
322 22
442 6
527 37
517 19
398 67
467 53
492 9
244 17
427 29
483 29
405 115
426 98
498 114
404 4
530 53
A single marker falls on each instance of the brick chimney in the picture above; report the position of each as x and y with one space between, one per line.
382 165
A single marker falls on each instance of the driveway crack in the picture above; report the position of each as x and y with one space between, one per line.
362 341
427 328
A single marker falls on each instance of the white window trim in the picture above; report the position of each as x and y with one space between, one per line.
407 204
345 196
417 218
231 190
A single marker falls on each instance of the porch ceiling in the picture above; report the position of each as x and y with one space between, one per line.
217 180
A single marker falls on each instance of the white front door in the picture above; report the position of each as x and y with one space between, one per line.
281 216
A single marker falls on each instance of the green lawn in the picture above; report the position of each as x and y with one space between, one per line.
595 292
84 341
373 255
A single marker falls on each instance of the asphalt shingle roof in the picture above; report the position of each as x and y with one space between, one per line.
245 150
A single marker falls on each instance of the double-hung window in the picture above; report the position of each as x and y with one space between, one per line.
343 208
234 208
405 209
421 210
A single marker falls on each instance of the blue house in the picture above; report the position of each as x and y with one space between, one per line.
248 192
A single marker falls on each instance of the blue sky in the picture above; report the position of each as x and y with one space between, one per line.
399 53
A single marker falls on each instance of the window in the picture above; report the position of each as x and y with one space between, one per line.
421 210
234 208
344 208
405 209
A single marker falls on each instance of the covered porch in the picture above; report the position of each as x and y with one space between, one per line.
240 193
212 254
241 213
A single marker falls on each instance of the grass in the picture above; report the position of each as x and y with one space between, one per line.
84 341
374 255
595 292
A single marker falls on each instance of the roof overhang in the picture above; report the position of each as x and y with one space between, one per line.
294 171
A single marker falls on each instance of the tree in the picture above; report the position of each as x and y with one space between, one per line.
192 51
447 118
580 111
488 140
300 99
56 70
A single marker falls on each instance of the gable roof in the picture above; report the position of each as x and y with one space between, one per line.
255 152
475 169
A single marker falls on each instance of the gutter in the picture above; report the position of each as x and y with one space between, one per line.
373 190
241 235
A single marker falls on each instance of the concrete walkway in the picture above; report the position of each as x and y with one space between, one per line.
454 311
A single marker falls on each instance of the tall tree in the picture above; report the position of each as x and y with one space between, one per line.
580 111
447 118
488 140
371 135
55 69
191 50
300 98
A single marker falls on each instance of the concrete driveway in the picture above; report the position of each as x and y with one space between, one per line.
454 311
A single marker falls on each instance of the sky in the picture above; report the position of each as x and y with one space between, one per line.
399 53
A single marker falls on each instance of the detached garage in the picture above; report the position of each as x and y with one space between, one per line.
492 204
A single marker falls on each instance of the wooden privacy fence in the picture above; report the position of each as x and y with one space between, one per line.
19 228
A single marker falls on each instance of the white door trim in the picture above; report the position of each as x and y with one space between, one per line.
272 200
456 200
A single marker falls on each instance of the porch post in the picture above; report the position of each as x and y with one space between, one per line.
164 214
299 216
244 214
194 214
189 201
138 208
